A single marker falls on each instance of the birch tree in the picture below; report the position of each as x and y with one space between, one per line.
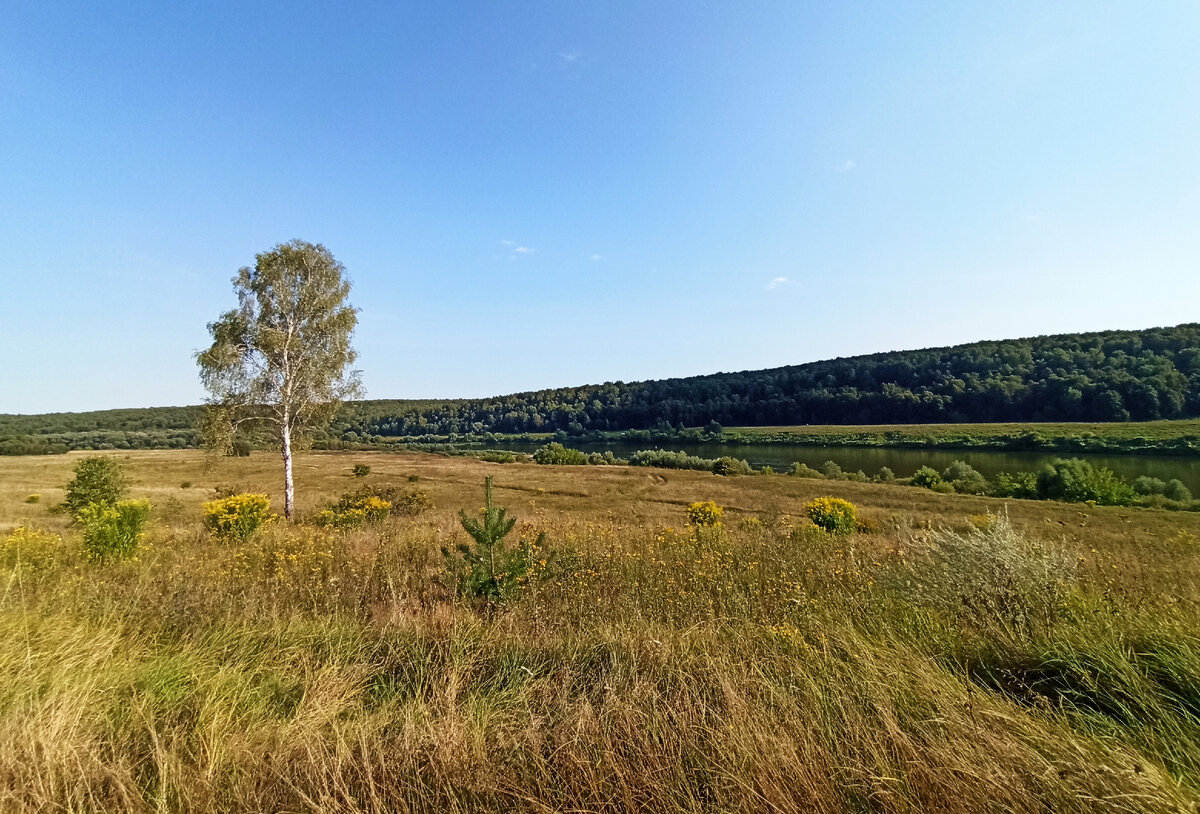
280 361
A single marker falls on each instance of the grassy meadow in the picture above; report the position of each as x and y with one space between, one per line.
954 654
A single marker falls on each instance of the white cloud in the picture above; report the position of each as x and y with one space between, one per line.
523 250
568 57
846 166
507 243
778 281
595 258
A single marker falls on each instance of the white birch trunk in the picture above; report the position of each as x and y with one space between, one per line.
289 489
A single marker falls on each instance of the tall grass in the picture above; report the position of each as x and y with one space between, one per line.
760 665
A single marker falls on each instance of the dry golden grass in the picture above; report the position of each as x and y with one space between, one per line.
755 666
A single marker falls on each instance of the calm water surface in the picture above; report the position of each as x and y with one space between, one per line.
906 461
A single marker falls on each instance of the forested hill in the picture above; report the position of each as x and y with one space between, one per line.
1108 376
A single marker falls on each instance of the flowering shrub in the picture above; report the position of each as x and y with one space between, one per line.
355 509
113 531
832 514
238 516
706 513
29 548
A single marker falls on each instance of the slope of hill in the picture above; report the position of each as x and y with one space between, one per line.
1105 376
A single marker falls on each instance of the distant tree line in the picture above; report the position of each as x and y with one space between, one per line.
135 428
1105 376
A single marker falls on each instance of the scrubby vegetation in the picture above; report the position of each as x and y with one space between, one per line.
832 514
237 517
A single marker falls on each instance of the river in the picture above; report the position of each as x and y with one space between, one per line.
902 461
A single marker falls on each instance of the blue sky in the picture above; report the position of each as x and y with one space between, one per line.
531 195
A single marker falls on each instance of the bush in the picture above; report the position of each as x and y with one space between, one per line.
965 479
1146 485
496 456
926 477
1022 485
410 503
240 448
33 499
886 475
361 470
1077 481
1175 490
726 465
237 517
799 470
605 458
406 503
831 470
98 480
113 531
30 549
706 513
670 460
555 454
832 514
354 509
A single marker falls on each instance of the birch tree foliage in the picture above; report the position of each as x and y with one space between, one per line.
280 363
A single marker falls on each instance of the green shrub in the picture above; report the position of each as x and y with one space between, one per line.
726 465
1175 490
361 470
1077 481
926 477
886 475
767 470
605 458
799 470
98 480
832 514
670 460
1022 485
496 456
33 499
943 488
240 448
555 454
1146 485
113 531
831 470
237 517
965 479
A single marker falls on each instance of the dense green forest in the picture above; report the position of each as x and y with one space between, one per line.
1105 376
1108 376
